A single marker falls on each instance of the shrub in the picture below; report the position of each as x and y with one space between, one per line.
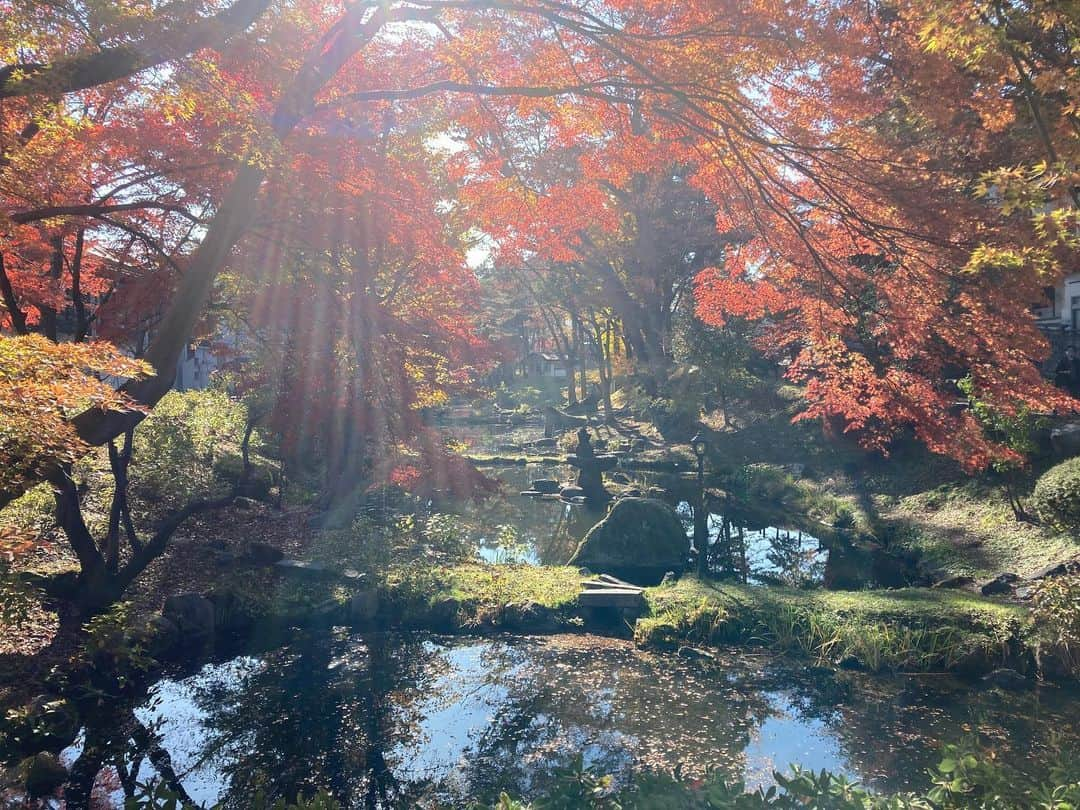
1056 614
188 447
963 779
157 795
763 482
30 515
844 519
1057 496
17 598
446 537
505 398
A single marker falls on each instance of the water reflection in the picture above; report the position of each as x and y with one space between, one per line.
542 532
388 721
547 532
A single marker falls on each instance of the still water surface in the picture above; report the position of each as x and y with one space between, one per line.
402 721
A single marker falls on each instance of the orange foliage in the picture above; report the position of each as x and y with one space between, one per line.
842 143
42 384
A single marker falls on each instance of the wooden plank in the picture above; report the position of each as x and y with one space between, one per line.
618 582
595 584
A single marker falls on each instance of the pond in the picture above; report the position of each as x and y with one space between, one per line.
405 721
509 528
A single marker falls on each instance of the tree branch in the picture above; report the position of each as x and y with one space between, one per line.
98 210
70 74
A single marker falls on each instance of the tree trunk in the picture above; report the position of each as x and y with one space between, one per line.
47 323
119 514
584 373
11 303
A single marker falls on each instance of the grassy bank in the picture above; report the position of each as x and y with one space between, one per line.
912 501
913 629
967 529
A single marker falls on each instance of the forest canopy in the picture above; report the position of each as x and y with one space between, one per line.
886 189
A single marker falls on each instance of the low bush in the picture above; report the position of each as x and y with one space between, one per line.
1056 498
30 515
1056 614
963 779
188 447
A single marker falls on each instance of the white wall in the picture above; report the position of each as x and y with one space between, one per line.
194 368
1062 311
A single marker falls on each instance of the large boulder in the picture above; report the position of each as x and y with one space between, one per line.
1000 585
1008 679
259 553
1069 566
640 540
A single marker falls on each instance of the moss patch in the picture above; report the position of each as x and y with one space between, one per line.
484 589
910 629
969 530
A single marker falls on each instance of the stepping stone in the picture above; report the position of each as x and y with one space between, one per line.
305 568
611 598
616 581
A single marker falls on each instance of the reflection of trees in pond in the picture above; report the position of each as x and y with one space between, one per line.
386 721
745 545
318 715
543 702
549 530
892 730
115 745
792 559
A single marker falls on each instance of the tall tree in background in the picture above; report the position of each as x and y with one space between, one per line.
364 309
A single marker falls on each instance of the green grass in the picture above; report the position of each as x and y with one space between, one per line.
476 593
555 587
913 500
969 530
910 629
484 589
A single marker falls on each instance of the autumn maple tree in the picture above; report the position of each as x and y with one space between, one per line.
905 255
365 317
41 385
322 161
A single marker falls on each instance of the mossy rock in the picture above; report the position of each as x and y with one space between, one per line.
640 540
